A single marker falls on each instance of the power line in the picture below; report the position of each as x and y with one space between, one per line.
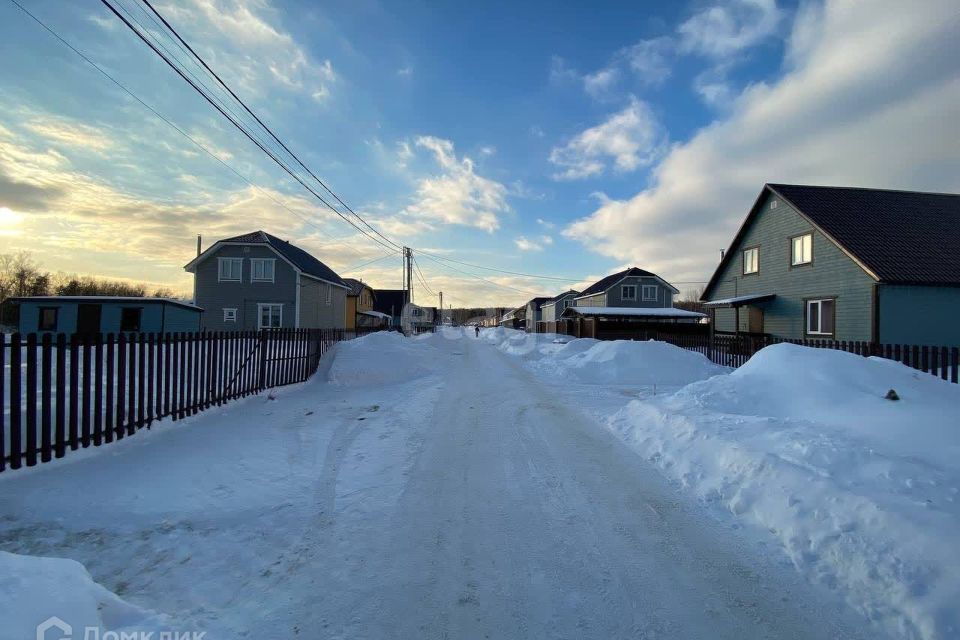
236 124
265 127
369 262
421 278
174 126
473 275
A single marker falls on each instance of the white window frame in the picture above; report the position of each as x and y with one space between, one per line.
818 303
648 287
755 251
806 252
229 314
255 262
260 308
329 294
623 292
221 262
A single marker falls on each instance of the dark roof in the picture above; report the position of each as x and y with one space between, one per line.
605 283
536 302
101 299
905 237
356 286
300 258
389 301
900 237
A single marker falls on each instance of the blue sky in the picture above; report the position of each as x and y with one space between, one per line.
536 137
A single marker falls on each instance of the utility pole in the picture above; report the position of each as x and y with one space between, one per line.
441 307
408 252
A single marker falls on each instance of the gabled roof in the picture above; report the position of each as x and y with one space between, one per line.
897 237
388 301
536 302
296 256
605 283
356 286
557 298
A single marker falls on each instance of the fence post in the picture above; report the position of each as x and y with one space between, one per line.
31 399
262 365
3 414
46 402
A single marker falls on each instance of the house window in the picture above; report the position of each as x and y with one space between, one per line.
130 318
230 269
261 269
628 292
821 317
801 249
270 316
229 315
649 292
751 260
329 294
48 319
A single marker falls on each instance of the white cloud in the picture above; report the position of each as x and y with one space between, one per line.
405 71
458 195
545 223
630 138
527 245
649 59
547 240
259 54
600 83
560 72
727 28
867 100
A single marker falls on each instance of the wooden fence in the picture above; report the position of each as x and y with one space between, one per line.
62 393
733 350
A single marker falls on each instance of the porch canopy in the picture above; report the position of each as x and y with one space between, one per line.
740 301
652 313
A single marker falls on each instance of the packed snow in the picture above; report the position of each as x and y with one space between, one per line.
859 491
447 486
34 587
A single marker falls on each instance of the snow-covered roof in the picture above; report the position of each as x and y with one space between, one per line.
741 300
638 312
375 314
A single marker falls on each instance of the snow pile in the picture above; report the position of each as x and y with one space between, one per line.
861 492
628 362
384 357
35 589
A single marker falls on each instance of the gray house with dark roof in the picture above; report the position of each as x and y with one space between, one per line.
256 281
533 314
551 310
843 263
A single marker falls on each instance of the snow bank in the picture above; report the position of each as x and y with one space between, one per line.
627 362
33 589
384 357
860 492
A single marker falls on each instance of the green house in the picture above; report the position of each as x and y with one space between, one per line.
843 263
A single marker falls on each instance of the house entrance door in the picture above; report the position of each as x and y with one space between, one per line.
754 320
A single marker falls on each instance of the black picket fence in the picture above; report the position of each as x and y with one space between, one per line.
733 350
63 392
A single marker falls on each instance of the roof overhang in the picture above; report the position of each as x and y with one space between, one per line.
740 301
603 291
670 313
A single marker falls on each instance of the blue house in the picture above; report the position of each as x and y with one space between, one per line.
101 314
843 263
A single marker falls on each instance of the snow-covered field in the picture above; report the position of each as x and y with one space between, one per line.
444 486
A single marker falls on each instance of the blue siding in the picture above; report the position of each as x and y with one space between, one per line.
155 316
920 315
832 274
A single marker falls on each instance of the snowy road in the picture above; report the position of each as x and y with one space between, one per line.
470 503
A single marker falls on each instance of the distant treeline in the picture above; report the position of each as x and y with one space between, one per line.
21 275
